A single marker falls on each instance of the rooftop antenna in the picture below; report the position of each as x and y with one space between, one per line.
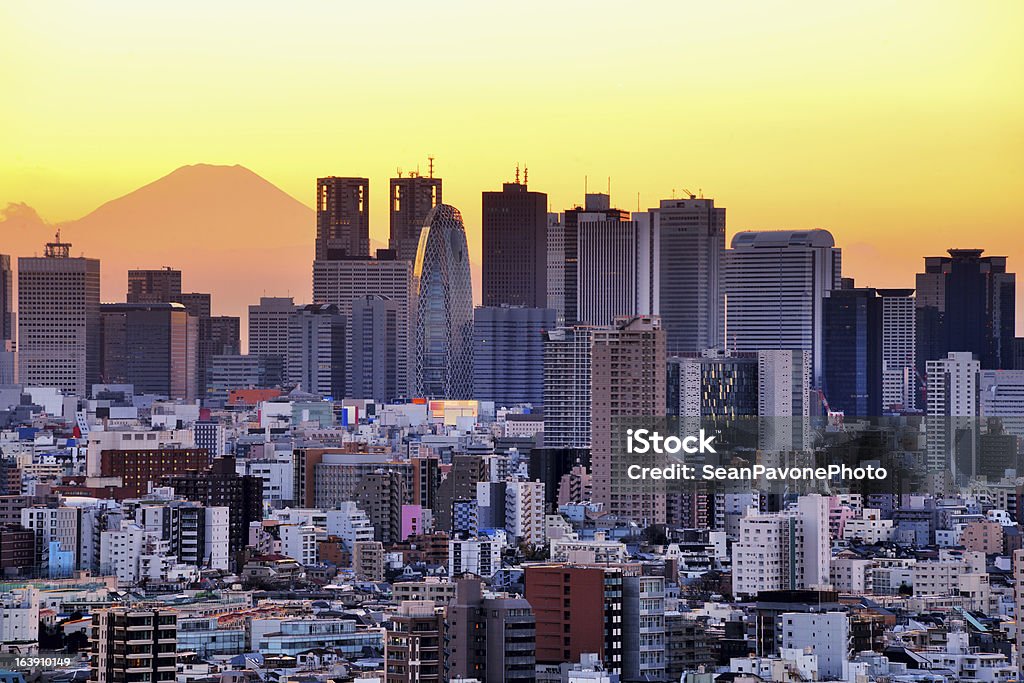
431 161
585 186
638 202
673 193
609 186
57 248
399 169
526 174
517 173
725 334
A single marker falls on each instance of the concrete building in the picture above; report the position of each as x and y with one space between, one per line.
411 198
268 326
316 350
643 628
342 218
775 282
628 379
150 657
344 282
899 349
952 414
152 346
568 236
514 252
691 233
480 556
617 268
852 355
508 354
414 649
374 363
826 635
524 512
489 638
59 320
567 377
783 551
154 286
783 400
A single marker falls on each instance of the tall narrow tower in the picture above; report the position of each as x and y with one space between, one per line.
342 218
411 199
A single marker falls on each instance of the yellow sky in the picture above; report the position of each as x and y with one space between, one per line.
897 125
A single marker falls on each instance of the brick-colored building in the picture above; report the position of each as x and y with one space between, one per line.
983 536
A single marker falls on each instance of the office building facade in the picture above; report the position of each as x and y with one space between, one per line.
514 232
508 354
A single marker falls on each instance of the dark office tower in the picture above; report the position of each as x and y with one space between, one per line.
138 469
7 355
380 495
444 314
6 299
374 368
508 354
852 329
154 286
134 645
594 203
692 235
965 302
268 326
489 639
218 336
219 485
1018 353
196 303
411 199
515 262
342 218
460 484
152 346
316 350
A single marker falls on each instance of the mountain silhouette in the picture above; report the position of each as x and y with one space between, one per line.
231 232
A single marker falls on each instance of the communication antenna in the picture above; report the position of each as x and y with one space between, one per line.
399 169
609 186
526 174
585 186
431 161
517 173
725 334
638 202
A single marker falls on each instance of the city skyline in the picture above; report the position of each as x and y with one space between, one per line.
897 135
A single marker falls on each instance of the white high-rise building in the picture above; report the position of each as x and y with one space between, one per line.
899 348
617 273
775 282
691 235
787 550
342 282
567 387
59 320
952 418
524 512
57 529
826 635
480 555
268 326
783 400
1001 395
350 524
298 541
556 266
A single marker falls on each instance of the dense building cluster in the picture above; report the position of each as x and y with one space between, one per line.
394 485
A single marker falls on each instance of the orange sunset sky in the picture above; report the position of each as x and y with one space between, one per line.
899 126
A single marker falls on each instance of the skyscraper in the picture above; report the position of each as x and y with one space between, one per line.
567 387
952 413
852 329
514 231
373 365
343 282
268 326
627 379
6 299
899 349
692 251
7 356
617 267
316 350
411 200
489 638
342 218
775 282
59 319
444 313
153 346
568 232
966 302
783 400
154 286
508 354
